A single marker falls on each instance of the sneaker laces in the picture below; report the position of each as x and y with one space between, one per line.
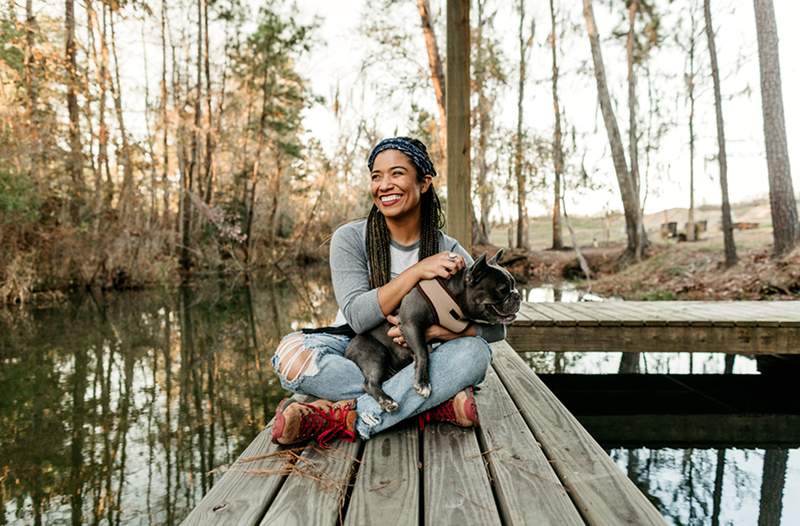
324 425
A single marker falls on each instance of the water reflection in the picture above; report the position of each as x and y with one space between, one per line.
118 410
717 486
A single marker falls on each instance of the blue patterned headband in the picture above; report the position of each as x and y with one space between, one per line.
412 148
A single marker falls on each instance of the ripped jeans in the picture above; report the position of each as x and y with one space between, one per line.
314 364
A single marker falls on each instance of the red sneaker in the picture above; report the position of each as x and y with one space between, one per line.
321 420
460 410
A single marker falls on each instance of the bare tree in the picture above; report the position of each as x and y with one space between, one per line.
558 152
525 44
781 193
633 137
437 72
481 71
690 91
727 225
75 160
628 190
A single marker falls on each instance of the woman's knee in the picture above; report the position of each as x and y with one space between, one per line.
475 355
292 359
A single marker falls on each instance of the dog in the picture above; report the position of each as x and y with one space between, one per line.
484 292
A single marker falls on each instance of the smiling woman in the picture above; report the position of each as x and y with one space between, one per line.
374 264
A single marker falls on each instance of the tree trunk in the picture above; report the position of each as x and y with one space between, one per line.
781 193
459 196
32 89
522 207
633 137
484 191
773 480
630 199
690 230
558 152
126 195
437 72
209 165
164 117
75 160
193 169
727 224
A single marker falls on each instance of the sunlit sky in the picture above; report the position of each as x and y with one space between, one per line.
336 59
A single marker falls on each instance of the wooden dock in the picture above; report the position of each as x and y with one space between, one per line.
530 462
741 327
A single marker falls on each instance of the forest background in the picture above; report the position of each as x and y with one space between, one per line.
149 142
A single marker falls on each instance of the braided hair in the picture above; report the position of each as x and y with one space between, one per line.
378 252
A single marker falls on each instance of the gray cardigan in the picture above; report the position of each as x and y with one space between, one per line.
358 303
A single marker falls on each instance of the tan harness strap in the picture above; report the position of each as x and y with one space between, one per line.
447 310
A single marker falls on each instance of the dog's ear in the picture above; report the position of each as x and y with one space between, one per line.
497 256
477 270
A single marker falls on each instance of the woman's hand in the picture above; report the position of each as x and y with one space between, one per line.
443 265
435 333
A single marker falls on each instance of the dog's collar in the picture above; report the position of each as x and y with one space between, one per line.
445 308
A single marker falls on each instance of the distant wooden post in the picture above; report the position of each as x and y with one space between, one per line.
459 203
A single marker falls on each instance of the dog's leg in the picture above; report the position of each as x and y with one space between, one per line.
415 338
373 360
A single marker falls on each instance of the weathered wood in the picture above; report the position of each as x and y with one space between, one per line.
524 482
662 313
314 492
561 318
602 493
457 94
246 490
457 489
537 318
386 490
732 340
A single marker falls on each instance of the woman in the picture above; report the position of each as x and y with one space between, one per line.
374 264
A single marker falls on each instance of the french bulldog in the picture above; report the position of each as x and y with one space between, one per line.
485 292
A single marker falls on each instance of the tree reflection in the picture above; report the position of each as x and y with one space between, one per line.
119 409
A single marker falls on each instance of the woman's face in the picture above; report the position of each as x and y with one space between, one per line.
395 189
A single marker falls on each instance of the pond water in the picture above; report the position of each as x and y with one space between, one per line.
118 409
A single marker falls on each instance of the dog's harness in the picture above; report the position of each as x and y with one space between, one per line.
448 313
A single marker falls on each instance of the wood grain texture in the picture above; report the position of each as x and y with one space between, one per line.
733 340
661 313
457 95
602 493
456 485
302 500
524 482
245 490
386 490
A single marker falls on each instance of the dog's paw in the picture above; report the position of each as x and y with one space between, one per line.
423 390
388 405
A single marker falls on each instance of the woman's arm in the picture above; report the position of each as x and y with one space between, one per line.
364 307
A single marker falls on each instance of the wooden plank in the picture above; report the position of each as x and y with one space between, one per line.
732 340
550 310
386 490
304 500
524 482
602 493
246 489
538 319
457 489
